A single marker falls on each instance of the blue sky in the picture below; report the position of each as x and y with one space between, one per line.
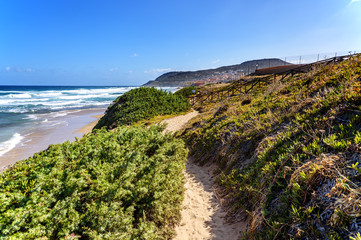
109 42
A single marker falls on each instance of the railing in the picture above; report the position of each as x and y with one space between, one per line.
299 68
310 58
245 85
241 86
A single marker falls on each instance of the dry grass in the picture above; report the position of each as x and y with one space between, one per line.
316 171
274 87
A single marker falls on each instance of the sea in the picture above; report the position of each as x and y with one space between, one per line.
25 110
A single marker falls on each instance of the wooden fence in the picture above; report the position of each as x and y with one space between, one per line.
245 85
241 86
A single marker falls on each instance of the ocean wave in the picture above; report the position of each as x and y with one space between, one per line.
86 96
47 94
40 109
21 101
35 101
59 114
10 144
14 110
60 103
63 93
31 117
52 124
20 95
83 91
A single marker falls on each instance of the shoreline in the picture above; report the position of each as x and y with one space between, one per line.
89 127
75 124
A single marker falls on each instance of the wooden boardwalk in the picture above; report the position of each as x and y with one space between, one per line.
286 70
241 86
261 76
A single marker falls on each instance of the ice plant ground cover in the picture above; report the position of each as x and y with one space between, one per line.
289 153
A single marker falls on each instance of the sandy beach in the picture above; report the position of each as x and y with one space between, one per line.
89 127
73 125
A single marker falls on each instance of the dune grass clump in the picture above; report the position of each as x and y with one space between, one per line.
187 91
125 184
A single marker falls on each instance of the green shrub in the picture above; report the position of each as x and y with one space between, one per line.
186 91
121 185
142 103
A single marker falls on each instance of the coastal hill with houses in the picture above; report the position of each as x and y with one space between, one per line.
221 74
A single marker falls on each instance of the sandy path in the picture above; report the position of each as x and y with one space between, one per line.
203 217
177 123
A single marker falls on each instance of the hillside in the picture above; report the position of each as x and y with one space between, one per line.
222 74
288 153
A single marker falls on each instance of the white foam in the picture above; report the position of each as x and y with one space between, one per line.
22 101
10 144
48 94
98 91
31 116
74 97
52 124
86 96
20 95
14 110
58 103
59 114
25 142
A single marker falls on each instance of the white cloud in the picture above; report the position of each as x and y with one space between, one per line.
19 69
130 71
113 69
354 1
135 55
158 70
216 61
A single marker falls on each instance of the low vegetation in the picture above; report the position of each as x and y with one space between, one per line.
289 153
187 91
141 104
126 184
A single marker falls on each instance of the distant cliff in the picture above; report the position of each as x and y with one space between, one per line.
221 74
